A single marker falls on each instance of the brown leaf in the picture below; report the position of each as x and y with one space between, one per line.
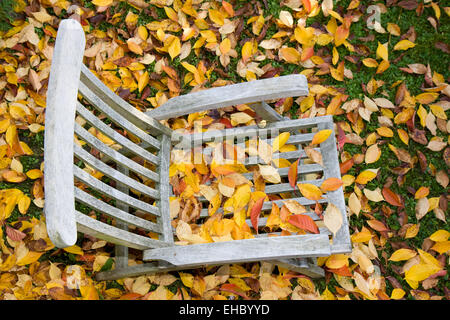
14 234
408 4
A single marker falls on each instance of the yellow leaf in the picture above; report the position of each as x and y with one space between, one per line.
427 97
385 132
440 235
370 62
382 52
216 17
412 231
30 257
337 261
402 254
247 50
74 249
102 3
366 176
397 294
143 81
403 135
134 47
438 111
321 136
441 247
310 191
420 272
34 174
290 55
187 279
225 46
280 141
404 45
174 47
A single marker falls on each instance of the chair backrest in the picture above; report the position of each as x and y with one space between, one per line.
105 156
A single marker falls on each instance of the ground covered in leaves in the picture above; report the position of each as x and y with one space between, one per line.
381 68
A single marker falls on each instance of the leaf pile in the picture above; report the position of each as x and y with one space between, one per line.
385 81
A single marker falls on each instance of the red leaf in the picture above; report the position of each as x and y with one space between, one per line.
303 222
292 174
130 296
392 198
254 214
226 122
14 234
341 137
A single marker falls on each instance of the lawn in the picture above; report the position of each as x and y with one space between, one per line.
386 85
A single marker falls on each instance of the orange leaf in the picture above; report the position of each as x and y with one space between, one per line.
292 174
303 222
255 212
331 184
307 5
310 191
422 192
341 35
392 198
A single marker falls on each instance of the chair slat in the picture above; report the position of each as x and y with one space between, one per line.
114 212
103 188
114 155
117 137
126 110
257 249
219 97
115 235
164 189
117 118
255 131
114 174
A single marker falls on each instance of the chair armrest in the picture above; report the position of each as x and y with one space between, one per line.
59 130
214 98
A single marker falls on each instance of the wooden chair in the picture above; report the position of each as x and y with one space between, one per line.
129 169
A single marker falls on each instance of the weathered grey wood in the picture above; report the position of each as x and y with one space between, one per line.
266 112
236 251
119 105
114 135
59 116
341 241
114 174
103 188
255 131
121 252
117 118
253 91
114 212
100 230
164 189
114 155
